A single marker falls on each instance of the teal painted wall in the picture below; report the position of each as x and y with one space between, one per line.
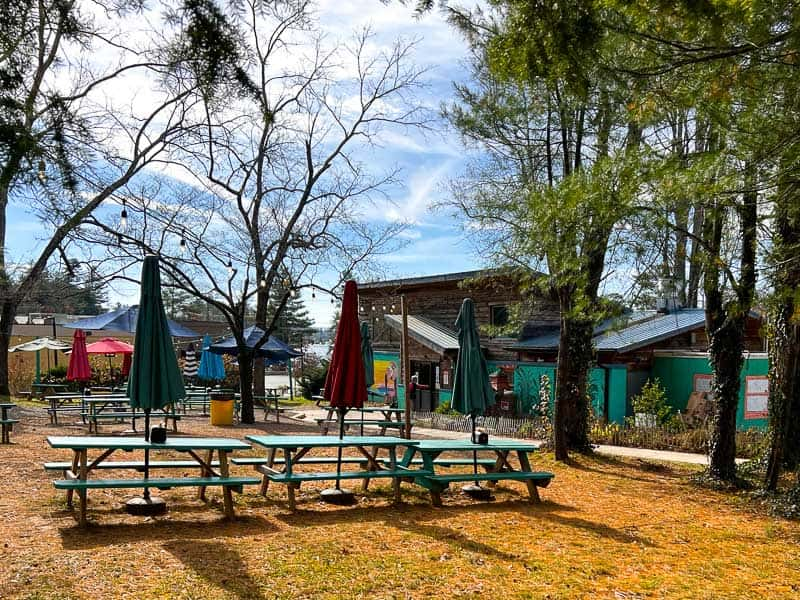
617 393
527 378
676 374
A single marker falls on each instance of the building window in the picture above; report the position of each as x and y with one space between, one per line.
499 315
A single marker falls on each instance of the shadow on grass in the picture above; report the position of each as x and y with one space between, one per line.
649 468
218 564
416 519
99 535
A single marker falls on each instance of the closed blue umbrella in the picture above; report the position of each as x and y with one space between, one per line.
211 366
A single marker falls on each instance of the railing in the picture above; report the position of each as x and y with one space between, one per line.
520 427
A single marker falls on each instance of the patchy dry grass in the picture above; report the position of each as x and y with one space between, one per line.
606 529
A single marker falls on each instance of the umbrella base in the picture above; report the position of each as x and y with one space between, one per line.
146 507
338 496
477 492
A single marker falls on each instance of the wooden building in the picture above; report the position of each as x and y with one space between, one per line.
433 304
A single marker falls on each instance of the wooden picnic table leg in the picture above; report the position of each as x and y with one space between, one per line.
83 493
525 465
201 491
395 480
227 494
270 463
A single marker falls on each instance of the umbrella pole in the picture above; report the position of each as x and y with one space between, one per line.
146 450
342 411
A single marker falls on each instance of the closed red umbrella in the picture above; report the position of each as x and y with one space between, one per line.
345 385
126 364
79 369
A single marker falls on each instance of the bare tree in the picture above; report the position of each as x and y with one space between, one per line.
280 186
65 145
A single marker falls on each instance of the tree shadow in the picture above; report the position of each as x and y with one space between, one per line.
100 535
218 564
413 519
647 467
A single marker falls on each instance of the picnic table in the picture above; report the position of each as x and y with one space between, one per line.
74 402
436 482
295 448
387 417
6 422
271 399
38 389
76 472
104 408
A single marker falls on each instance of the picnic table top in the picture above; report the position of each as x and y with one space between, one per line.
384 409
136 443
44 386
7 405
467 445
326 441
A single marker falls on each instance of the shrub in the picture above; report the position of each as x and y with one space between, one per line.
652 400
444 408
313 379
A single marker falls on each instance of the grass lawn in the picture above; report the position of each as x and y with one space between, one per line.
606 529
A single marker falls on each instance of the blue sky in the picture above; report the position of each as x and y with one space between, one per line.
434 242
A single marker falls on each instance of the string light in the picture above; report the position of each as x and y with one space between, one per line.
183 242
384 308
42 174
123 216
313 294
331 299
263 283
373 308
294 293
230 267
392 307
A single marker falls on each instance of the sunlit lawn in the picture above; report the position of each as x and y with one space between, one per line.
606 529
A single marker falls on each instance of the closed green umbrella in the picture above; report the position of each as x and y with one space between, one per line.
155 379
472 391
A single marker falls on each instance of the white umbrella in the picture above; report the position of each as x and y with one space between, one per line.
40 344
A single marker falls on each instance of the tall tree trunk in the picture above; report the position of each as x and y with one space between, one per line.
570 421
262 301
246 385
784 349
725 323
7 311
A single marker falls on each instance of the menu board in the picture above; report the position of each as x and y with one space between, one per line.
756 397
702 383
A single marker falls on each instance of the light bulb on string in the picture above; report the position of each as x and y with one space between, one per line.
123 216
384 308
183 242
42 172
230 267
373 308
392 307
263 283
313 294
331 299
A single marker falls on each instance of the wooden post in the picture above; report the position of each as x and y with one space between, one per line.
406 359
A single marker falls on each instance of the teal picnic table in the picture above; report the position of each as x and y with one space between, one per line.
6 422
382 417
212 473
295 448
502 470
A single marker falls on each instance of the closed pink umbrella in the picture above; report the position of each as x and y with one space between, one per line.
79 369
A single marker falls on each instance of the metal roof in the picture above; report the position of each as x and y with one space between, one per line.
425 279
427 332
644 329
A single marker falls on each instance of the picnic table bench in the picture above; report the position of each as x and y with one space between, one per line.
211 473
6 423
436 482
295 449
271 400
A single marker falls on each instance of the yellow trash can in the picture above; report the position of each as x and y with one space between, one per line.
221 411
